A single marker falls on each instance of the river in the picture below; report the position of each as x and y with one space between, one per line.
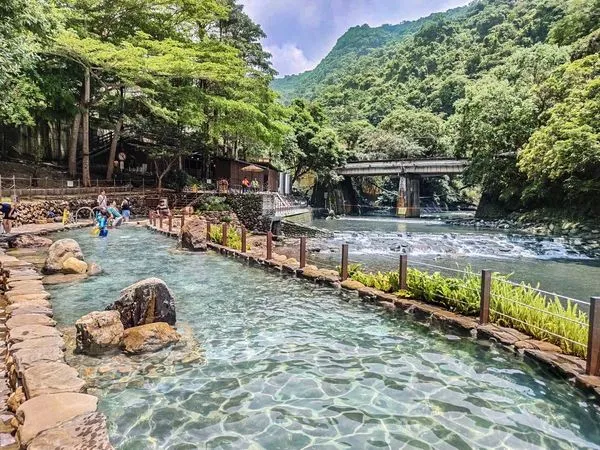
376 243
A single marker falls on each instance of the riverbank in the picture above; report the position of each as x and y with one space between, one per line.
568 366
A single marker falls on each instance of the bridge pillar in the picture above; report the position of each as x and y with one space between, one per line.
409 196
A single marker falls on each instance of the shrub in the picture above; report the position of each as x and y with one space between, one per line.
234 239
214 203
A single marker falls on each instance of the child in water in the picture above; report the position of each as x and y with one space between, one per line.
102 222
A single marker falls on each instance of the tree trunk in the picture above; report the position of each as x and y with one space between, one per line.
113 149
73 145
85 166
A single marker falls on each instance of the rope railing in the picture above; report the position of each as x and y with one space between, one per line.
571 341
542 292
540 310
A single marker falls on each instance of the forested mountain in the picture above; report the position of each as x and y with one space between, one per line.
513 85
356 42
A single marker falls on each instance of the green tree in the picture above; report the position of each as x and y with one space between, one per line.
25 28
492 123
312 146
562 158
424 128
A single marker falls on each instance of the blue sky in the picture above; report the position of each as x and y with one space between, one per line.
301 32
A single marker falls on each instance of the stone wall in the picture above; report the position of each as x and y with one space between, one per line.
295 229
38 211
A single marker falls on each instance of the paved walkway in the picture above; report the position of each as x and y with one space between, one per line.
44 228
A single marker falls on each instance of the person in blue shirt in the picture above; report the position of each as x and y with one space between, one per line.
102 222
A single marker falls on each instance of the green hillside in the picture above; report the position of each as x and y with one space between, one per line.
356 42
513 85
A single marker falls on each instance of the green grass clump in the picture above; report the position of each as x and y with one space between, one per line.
543 318
515 306
234 238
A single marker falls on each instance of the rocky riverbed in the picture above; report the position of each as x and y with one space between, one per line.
585 237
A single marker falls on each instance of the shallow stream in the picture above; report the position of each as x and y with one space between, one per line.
290 365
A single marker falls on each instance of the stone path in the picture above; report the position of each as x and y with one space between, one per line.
41 229
43 404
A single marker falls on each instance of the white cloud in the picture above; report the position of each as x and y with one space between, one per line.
289 59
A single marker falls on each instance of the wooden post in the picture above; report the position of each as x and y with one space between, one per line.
486 289
225 230
160 221
269 246
170 223
244 238
593 351
402 272
303 252
208 226
344 262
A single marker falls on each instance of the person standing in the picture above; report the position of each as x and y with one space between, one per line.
126 209
245 185
9 213
102 200
114 213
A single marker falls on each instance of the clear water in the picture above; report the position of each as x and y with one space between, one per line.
290 365
376 242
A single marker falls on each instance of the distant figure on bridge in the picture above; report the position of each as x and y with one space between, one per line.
102 200
9 213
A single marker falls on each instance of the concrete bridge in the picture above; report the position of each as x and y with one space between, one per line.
410 172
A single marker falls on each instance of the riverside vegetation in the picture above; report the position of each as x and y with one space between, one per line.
514 306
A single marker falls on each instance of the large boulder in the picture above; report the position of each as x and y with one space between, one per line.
193 234
59 252
149 338
145 302
99 332
29 241
74 265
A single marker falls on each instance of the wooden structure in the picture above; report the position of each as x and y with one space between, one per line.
231 170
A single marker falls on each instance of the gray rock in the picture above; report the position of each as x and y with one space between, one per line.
145 302
51 341
29 241
51 378
59 252
85 432
28 357
48 411
94 269
27 332
29 319
193 234
99 332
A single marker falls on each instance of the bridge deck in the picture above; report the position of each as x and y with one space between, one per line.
422 167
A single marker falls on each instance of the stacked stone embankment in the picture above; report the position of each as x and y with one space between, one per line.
43 401
48 211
